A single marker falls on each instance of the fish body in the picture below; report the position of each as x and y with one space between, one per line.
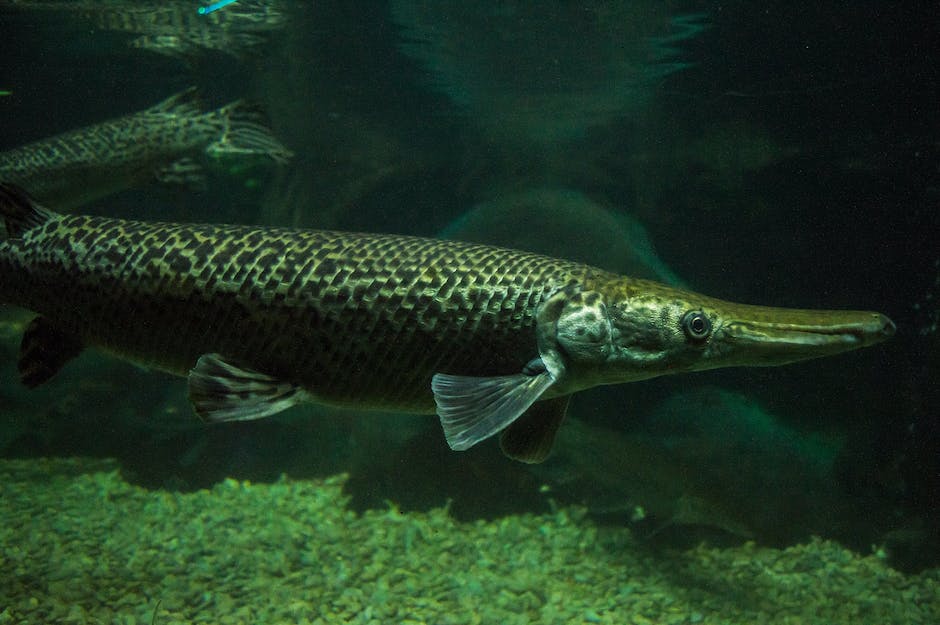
358 318
159 143
174 28
493 340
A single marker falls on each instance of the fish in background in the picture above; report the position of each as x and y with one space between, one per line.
174 27
544 72
162 143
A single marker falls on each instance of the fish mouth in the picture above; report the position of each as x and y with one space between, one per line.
778 336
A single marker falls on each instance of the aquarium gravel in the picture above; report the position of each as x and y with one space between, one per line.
81 545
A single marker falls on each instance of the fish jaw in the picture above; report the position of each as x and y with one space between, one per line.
758 336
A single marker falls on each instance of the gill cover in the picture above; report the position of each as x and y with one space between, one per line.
582 332
572 327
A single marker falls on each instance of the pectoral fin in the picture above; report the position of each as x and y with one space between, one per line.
222 391
183 172
529 439
472 409
44 350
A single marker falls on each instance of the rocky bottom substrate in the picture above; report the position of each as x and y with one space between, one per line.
80 545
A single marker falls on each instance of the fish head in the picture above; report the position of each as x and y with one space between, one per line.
631 330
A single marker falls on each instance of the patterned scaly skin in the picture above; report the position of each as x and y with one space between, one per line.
174 27
353 318
91 162
86 164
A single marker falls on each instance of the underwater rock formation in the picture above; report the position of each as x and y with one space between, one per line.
705 457
564 223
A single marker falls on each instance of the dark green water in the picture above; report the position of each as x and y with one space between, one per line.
771 152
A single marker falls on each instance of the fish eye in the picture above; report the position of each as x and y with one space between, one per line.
696 325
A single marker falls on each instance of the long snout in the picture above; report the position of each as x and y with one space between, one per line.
763 336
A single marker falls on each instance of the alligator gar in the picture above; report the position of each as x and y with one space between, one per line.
494 340
173 28
159 143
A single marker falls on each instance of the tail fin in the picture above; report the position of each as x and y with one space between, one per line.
186 103
244 131
19 212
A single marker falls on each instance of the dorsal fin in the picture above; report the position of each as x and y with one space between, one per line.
18 210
